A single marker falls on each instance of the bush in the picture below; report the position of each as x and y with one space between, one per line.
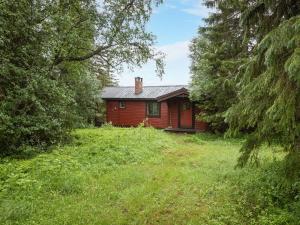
267 196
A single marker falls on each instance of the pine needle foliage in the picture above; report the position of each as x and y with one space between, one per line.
269 100
217 54
265 78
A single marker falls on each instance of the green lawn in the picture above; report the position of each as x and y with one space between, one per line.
141 176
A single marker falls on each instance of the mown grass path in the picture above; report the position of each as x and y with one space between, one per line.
188 187
126 176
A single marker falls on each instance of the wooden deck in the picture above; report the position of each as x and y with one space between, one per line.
181 130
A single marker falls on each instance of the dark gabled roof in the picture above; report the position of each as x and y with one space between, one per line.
149 92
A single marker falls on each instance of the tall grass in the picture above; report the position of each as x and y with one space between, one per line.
145 176
38 190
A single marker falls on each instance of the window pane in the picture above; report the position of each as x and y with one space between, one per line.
186 106
150 109
121 104
153 109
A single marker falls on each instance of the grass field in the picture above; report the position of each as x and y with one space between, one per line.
143 176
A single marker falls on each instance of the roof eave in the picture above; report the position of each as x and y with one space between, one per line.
132 99
172 94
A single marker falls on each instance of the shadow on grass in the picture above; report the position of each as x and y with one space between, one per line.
207 137
28 151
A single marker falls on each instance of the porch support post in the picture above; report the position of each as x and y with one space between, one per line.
169 115
178 114
193 115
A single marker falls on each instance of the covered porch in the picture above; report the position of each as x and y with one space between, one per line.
182 113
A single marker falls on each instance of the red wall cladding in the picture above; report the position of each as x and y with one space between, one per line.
199 125
161 122
173 108
134 113
173 112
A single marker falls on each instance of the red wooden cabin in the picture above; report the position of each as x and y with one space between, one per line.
165 107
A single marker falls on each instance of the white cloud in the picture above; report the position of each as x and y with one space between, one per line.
170 6
175 51
196 8
196 12
176 70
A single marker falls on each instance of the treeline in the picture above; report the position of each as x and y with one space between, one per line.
56 55
246 73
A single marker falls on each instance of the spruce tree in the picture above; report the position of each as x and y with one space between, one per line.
265 76
268 102
217 54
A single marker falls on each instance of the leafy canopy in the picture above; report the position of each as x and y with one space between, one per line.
55 56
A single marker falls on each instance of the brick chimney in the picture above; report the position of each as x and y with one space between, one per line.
138 85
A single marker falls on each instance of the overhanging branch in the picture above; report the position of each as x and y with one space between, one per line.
119 21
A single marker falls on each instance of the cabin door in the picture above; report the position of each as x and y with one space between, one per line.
185 115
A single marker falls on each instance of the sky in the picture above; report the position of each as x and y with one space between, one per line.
175 24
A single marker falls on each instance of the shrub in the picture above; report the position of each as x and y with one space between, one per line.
266 195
